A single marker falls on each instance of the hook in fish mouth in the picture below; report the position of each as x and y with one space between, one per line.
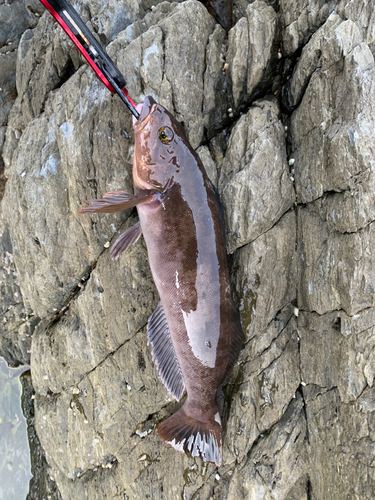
144 109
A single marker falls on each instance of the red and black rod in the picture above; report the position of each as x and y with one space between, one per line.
92 51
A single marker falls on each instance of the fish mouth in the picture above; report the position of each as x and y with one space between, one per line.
144 110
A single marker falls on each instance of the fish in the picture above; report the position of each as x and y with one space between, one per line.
195 331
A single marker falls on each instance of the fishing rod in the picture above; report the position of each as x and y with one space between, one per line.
90 48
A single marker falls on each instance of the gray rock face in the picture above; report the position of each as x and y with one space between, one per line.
250 50
255 185
301 19
295 172
16 17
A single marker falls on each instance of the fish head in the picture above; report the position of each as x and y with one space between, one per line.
160 145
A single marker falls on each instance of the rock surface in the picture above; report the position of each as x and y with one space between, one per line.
281 111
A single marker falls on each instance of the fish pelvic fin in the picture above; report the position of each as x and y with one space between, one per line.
113 202
188 435
124 241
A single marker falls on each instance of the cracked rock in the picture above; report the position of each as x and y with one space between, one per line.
302 18
255 185
337 273
250 50
332 126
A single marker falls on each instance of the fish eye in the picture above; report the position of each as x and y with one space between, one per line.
165 134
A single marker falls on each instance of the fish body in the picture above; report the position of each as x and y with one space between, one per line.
195 331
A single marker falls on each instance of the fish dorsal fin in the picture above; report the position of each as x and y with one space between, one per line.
163 353
127 239
238 340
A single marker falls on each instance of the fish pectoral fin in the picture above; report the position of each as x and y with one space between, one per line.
112 202
124 241
163 353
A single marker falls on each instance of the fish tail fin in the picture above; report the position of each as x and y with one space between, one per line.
199 439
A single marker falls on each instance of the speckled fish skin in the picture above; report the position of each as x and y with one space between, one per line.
182 223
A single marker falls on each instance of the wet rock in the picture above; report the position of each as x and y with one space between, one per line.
42 481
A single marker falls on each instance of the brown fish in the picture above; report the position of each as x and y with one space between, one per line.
195 331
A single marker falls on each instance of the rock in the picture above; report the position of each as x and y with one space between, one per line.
17 324
347 359
264 469
58 162
7 84
251 50
363 16
2 176
16 17
185 64
336 274
209 164
254 277
112 17
333 121
170 70
308 63
255 185
301 19
90 329
42 482
345 426
295 174
216 99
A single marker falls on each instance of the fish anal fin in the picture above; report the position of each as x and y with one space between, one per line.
113 202
163 353
196 438
124 241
